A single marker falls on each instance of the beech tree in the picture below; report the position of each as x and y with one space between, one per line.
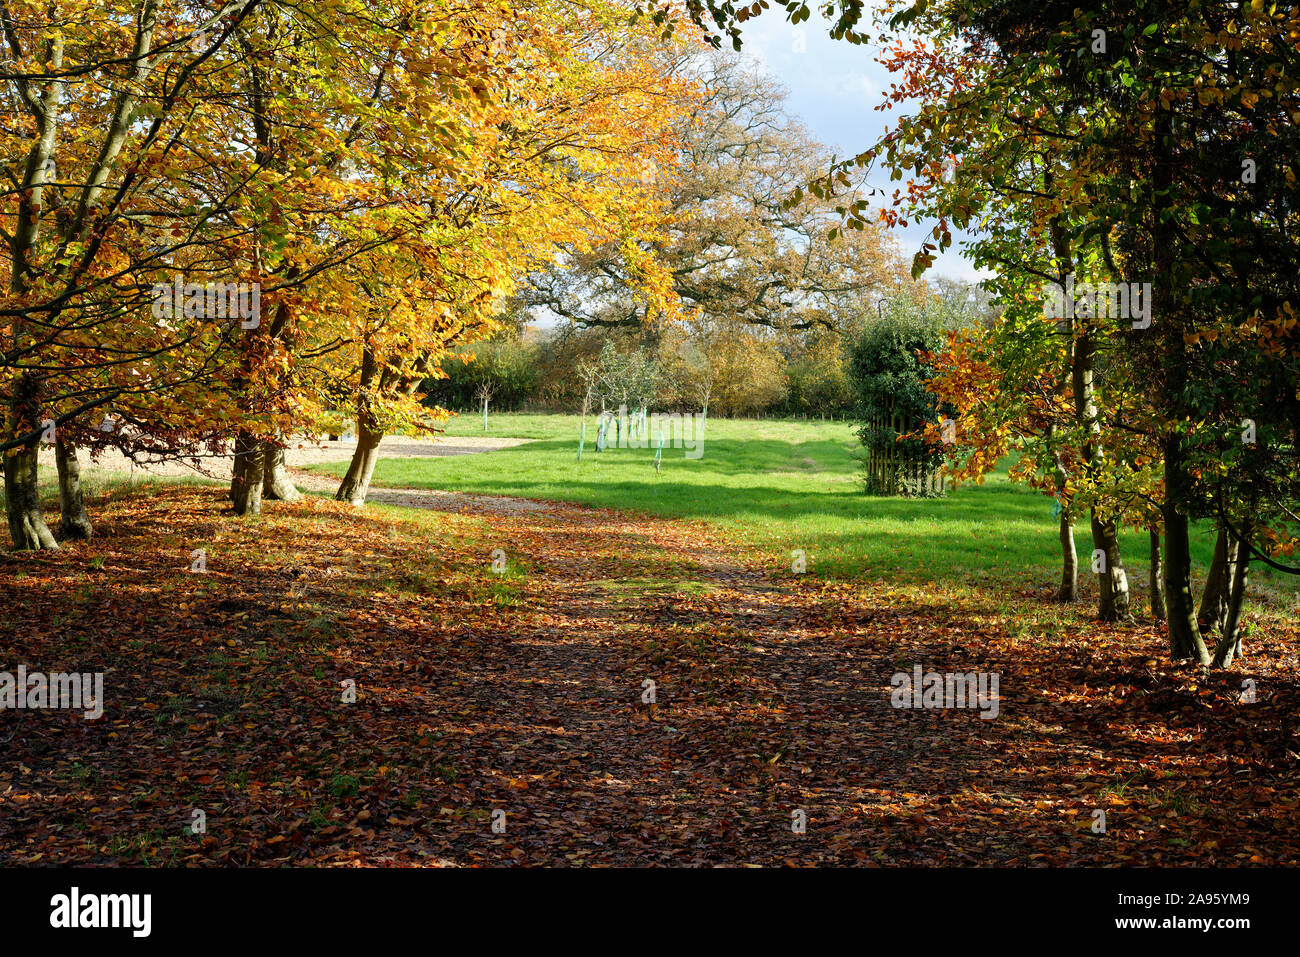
100 124
557 169
291 150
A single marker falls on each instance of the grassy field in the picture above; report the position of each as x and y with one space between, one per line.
777 486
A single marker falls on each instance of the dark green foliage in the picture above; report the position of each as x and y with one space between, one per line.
889 378
509 366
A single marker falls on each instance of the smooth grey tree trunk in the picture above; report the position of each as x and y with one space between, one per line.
276 483
74 521
1112 580
1213 612
356 483
1229 646
246 482
27 526
1069 590
1156 581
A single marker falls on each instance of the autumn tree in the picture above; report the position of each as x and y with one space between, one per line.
1151 123
198 167
361 222
1164 83
734 247
102 128
555 169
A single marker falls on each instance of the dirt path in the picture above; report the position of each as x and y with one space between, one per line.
459 502
772 705
298 454
768 704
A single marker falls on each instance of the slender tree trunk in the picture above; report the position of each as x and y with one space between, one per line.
1213 613
1069 590
356 483
74 521
246 484
23 502
1185 639
1229 646
1112 580
1156 581
236 477
276 483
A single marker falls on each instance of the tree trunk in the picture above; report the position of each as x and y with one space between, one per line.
1229 646
236 473
1185 640
276 483
23 502
1213 613
356 483
1069 590
248 478
74 522
1112 581
246 484
1156 581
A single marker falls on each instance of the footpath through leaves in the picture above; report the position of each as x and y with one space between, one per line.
504 714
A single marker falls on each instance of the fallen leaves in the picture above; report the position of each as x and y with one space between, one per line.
770 696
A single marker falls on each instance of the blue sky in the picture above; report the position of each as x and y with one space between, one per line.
834 88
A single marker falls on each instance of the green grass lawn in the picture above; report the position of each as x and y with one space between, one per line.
781 485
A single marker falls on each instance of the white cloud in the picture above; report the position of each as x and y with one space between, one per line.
850 86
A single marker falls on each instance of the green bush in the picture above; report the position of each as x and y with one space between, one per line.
889 378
